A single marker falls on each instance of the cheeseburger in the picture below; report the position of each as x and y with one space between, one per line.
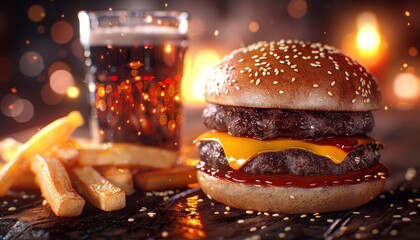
288 124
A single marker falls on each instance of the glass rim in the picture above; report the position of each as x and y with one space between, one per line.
137 13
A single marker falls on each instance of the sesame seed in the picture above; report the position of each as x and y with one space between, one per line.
353 101
412 213
249 212
276 215
275 82
293 66
396 216
406 219
282 235
375 231
329 72
142 209
291 196
208 196
286 218
393 232
253 229
237 88
257 82
287 229
11 209
332 83
130 220
240 221
330 93
362 228
330 220
315 85
303 216
281 92
216 213
241 60
356 213
151 214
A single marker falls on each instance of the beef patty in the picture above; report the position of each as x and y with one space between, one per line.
266 123
292 161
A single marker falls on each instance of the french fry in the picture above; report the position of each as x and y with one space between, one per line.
66 153
177 177
8 148
127 155
56 186
25 181
53 135
96 189
120 177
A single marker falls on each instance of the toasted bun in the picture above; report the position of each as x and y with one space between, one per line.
290 200
292 75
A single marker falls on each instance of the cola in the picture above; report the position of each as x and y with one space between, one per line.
134 82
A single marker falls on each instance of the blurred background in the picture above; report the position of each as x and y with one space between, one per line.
41 67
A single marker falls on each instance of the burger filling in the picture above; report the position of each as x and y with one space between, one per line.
290 161
277 141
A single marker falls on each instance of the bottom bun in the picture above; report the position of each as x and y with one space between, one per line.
290 200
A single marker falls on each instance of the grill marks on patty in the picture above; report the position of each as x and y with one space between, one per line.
266 123
292 161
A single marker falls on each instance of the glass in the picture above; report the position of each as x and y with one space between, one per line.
134 65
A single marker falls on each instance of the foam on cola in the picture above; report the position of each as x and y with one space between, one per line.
135 85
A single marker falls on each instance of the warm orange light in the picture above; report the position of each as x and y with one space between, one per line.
168 48
407 86
367 45
368 39
195 67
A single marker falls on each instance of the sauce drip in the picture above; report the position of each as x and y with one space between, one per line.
375 172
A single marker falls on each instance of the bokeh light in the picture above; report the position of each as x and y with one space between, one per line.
6 70
31 63
412 51
61 80
368 39
50 97
406 86
297 8
8 106
36 13
27 111
253 26
73 92
61 32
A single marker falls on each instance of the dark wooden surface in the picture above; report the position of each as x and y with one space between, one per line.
189 214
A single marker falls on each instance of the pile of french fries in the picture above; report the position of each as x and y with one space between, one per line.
71 171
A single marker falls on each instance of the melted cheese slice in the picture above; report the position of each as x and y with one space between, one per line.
239 150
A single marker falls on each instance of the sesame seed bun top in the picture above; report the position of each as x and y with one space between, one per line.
291 74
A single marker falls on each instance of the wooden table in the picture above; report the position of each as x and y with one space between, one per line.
189 214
